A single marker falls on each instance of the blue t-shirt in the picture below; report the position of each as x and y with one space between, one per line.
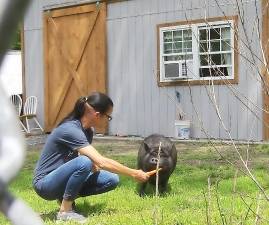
61 146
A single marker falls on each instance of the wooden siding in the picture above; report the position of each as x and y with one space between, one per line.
34 77
151 108
141 107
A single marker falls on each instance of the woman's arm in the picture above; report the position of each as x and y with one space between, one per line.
112 165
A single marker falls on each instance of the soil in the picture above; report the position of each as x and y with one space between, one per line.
189 152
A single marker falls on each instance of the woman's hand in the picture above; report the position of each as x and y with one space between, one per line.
95 168
140 176
111 165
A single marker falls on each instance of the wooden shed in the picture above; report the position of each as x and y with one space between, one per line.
152 57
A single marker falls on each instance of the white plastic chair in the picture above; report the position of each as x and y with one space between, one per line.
17 103
29 113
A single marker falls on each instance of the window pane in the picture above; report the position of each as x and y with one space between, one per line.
216 59
204 60
173 58
177 47
177 57
177 35
203 35
212 72
225 45
226 33
167 36
167 48
214 33
229 70
215 46
187 57
205 72
187 34
215 72
204 47
187 46
224 71
226 59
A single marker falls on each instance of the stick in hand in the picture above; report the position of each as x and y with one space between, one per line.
152 172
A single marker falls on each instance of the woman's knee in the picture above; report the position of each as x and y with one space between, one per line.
114 180
85 164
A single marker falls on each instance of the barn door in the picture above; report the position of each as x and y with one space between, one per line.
75 58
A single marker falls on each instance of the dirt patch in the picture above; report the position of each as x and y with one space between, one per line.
191 153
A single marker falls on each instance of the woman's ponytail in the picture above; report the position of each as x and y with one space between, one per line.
99 101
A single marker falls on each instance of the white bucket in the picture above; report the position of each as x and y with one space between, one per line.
182 129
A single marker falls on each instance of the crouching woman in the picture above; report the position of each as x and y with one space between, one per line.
70 167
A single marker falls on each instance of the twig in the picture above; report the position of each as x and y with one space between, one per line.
235 179
251 210
207 210
234 193
247 213
209 199
157 170
222 215
155 214
258 209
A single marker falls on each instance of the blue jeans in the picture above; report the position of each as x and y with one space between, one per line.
75 179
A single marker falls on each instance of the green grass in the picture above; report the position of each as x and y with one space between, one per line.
187 200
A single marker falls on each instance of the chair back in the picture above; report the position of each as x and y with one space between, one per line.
17 102
30 105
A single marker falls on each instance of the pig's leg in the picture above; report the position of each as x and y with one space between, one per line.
163 186
142 189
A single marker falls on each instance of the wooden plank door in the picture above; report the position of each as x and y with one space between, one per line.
75 58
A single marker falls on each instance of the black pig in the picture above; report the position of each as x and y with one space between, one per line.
148 158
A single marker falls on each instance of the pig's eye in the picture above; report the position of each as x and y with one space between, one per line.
164 153
153 153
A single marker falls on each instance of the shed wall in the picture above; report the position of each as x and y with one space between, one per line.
141 107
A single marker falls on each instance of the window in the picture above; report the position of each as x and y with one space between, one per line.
197 52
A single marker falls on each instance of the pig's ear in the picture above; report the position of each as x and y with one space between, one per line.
146 147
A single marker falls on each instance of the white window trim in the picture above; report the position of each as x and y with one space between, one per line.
195 50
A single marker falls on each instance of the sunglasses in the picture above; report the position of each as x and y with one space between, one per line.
108 117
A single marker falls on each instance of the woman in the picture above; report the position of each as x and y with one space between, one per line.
70 167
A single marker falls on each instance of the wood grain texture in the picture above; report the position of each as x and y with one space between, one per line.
75 58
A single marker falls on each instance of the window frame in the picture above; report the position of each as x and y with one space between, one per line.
195 25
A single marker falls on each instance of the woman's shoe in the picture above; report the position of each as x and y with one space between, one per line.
71 216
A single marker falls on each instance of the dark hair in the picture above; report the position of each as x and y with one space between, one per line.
99 101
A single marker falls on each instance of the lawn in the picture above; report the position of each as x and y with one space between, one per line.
203 189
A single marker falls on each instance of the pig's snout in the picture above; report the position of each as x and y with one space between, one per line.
153 160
